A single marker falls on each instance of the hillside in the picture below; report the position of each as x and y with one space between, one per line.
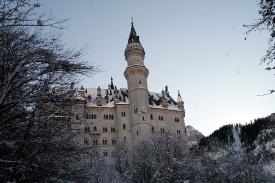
193 135
252 144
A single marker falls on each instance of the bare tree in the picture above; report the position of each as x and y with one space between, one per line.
266 22
121 161
35 72
156 159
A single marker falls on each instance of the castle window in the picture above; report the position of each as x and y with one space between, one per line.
105 153
113 129
152 129
135 110
87 129
137 133
160 118
111 116
151 116
86 141
139 82
77 117
90 116
93 116
123 114
105 116
95 142
124 126
178 131
177 119
95 129
162 130
104 141
113 141
124 139
142 118
105 129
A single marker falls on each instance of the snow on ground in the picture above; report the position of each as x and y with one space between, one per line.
237 145
270 168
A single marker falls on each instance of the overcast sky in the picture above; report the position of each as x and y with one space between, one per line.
196 47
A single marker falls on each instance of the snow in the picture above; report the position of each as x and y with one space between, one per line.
193 135
123 95
270 168
237 145
171 107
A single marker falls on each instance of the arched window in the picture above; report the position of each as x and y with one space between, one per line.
124 139
113 141
95 129
105 141
124 126
86 141
105 129
151 116
153 130
105 153
137 132
87 129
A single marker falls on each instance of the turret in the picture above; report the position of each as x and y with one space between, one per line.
99 98
180 102
71 90
116 100
136 74
81 91
134 52
164 99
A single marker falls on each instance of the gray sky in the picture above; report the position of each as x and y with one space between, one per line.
196 47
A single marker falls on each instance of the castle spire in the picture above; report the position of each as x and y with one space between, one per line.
134 52
112 84
180 102
179 97
133 37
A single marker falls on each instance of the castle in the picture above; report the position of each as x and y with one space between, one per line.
110 116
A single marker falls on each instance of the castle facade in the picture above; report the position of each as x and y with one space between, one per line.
126 115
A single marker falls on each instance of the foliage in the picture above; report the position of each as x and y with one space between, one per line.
35 71
249 132
266 22
156 159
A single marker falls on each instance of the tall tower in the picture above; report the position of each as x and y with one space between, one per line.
136 75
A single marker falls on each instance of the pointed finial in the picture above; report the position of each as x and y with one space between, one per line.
166 88
98 91
179 97
162 93
112 84
132 21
